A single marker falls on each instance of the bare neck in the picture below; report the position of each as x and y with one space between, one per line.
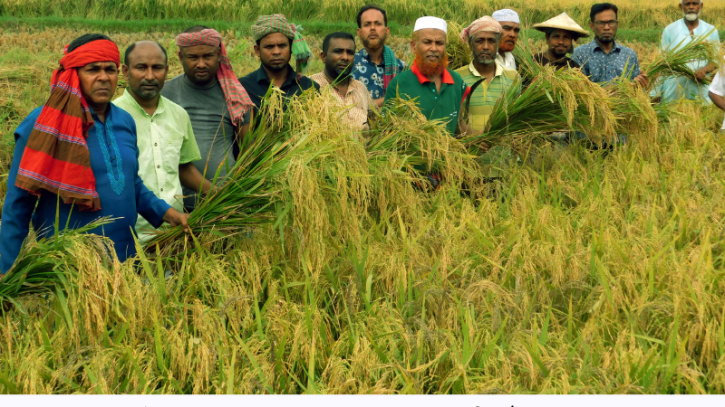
485 70
606 47
100 110
691 25
277 77
376 55
149 106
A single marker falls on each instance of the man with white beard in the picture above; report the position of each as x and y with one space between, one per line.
678 34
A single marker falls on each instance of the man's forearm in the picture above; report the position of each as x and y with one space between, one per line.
379 102
191 178
718 100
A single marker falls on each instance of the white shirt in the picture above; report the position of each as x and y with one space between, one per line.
717 86
507 61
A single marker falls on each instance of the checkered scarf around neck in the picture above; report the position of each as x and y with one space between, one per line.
238 101
391 66
272 23
56 157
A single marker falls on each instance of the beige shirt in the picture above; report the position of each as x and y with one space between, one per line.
357 101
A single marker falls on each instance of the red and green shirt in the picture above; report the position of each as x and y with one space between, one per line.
445 104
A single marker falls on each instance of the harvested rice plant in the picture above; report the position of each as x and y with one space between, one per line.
326 264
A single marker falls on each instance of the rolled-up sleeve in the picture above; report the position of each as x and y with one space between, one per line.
19 204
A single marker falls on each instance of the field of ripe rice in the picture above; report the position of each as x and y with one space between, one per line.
635 14
578 272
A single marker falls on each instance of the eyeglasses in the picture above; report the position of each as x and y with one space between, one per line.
602 24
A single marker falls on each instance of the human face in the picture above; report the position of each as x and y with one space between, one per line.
274 51
605 26
485 47
691 9
339 57
372 31
98 83
559 42
146 70
430 44
509 36
200 63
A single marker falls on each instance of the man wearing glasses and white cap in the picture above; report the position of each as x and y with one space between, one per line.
438 91
510 22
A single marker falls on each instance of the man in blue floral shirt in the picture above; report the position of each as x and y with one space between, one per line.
604 59
375 64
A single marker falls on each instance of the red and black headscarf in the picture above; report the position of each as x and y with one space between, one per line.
56 156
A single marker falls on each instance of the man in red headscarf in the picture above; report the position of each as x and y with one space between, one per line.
218 105
76 157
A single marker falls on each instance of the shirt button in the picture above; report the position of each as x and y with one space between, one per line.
158 166
156 144
162 189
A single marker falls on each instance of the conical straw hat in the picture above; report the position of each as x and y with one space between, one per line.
562 22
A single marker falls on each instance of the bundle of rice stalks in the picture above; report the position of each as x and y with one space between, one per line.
633 108
247 194
46 265
418 145
551 100
459 52
673 62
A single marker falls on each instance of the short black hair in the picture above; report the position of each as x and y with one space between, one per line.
195 29
336 35
132 46
370 7
85 39
599 7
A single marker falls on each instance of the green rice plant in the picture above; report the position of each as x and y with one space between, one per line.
247 195
550 100
459 52
673 62
47 264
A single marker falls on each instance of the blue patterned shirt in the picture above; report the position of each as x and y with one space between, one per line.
601 67
371 74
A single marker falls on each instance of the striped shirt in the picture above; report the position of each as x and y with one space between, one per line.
486 94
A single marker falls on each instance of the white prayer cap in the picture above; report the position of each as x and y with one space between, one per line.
431 22
506 15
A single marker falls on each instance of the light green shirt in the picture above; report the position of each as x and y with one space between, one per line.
165 140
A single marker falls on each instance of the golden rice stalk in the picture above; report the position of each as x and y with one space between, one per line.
459 52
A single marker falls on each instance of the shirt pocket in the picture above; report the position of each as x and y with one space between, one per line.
172 140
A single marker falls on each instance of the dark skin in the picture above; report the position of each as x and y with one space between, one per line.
430 43
605 26
485 46
201 63
145 74
559 42
98 82
275 52
374 31
509 36
695 6
338 62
